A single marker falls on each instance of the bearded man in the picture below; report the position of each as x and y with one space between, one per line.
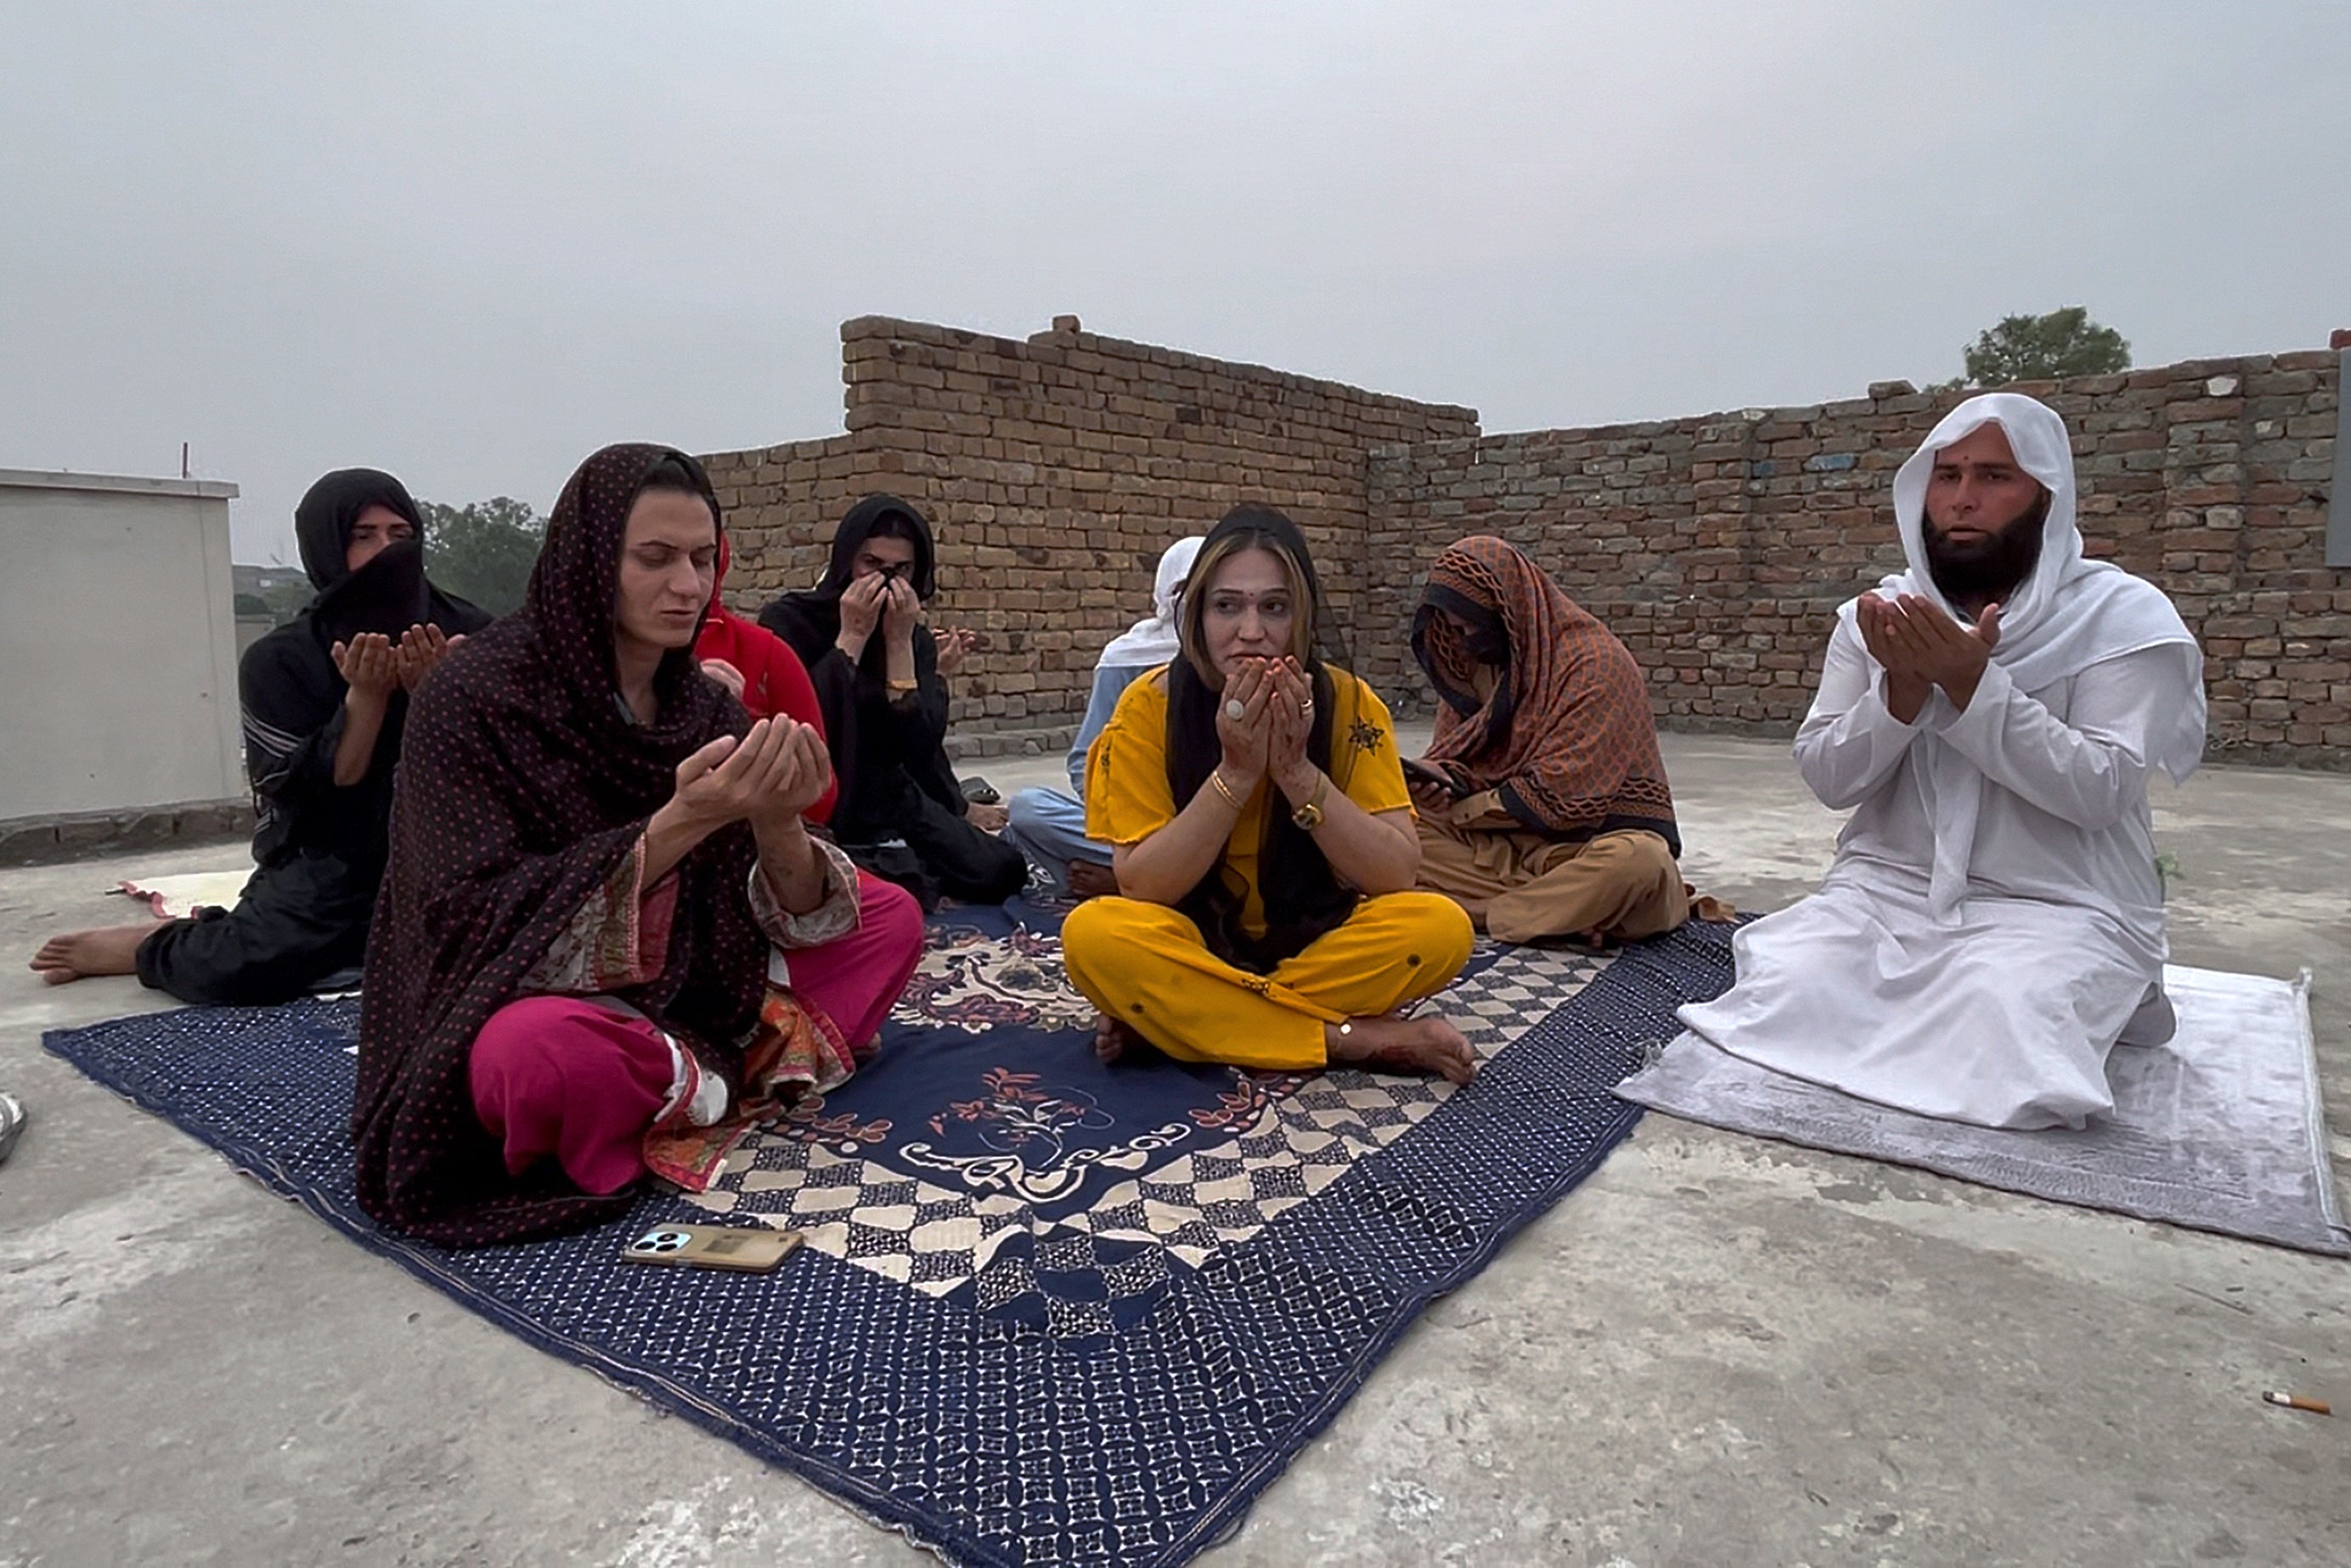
1992 925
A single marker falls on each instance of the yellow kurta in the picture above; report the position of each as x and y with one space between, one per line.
1148 966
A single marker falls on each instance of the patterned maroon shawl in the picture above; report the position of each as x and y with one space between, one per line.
1567 739
521 788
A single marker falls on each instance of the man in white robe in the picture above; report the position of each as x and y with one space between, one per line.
1993 922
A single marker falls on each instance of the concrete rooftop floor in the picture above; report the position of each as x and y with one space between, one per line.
1717 1351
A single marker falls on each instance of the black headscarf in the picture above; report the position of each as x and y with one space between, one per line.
388 594
880 749
820 607
292 694
1303 898
323 518
524 786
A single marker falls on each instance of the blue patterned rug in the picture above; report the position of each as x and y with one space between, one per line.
1048 1312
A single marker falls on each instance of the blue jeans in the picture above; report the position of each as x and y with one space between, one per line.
1050 828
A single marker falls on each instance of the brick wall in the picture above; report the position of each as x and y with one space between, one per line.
1056 468
1054 471
1719 547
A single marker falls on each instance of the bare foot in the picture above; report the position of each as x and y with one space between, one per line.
77 955
1403 1045
1087 880
1111 1038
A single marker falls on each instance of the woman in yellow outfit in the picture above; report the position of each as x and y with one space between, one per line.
1264 843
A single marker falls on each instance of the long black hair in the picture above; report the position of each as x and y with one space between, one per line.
1303 898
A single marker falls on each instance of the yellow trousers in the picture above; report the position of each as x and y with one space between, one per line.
1522 887
1145 966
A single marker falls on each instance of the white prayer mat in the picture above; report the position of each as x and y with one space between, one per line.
175 897
2218 1130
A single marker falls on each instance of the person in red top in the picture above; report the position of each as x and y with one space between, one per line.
760 668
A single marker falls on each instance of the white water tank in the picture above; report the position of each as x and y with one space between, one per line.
118 644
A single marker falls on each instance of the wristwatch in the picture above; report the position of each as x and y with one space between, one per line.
1309 815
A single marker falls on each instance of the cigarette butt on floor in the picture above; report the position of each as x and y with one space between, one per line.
2297 1402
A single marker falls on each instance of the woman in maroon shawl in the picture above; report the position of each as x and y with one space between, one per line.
1544 805
606 939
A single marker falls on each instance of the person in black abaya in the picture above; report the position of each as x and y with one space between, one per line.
325 697
880 675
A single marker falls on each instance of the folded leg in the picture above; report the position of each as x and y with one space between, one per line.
856 979
295 923
1625 887
560 1076
1146 966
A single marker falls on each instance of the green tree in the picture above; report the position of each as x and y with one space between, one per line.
2044 349
483 550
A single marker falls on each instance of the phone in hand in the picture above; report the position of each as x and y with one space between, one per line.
746 1249
1415 771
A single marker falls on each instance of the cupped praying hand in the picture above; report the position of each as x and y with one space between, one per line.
1243 726
954 644
1921 647
421 649
369 665
374 666
1265 717
770 776
724 676
1289 722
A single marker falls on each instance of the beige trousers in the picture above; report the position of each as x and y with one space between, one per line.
1520 886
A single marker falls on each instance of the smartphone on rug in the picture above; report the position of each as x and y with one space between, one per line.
739 1247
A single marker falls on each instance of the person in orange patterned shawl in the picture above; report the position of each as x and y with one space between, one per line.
1544 805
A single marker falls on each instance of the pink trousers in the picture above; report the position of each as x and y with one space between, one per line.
563 1076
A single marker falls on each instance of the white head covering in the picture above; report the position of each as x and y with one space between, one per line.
2071 614
1152 639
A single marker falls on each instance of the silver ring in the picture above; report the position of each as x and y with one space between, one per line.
1306 709
1233 710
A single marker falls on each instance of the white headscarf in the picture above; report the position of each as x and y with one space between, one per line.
2071 614
1152 639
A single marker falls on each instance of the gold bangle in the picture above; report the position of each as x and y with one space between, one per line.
1309 815
905 686
1217 777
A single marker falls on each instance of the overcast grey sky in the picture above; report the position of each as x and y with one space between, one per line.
470 243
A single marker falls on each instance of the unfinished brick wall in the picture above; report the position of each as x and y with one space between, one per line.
1719 547
1054 471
